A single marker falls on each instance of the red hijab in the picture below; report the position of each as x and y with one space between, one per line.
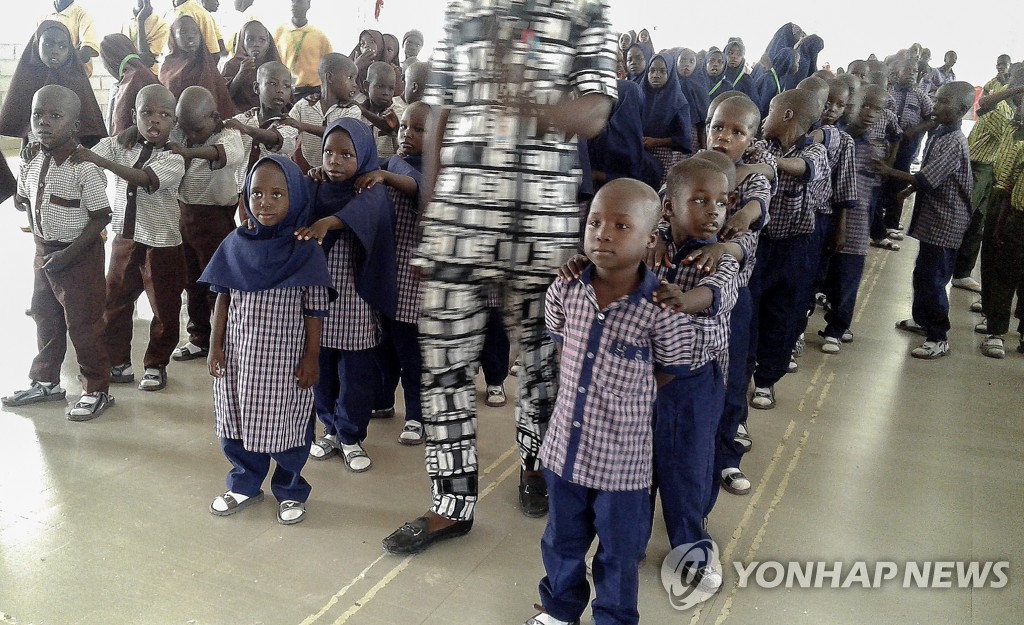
245 97
181 69
122 61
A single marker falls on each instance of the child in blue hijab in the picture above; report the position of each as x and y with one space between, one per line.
637 59
668 131
618 152
693 81
785 62
273 293
734 76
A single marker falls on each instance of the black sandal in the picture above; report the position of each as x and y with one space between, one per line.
154 379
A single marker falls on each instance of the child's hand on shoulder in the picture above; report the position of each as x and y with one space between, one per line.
288 120
370 180
573 268
234 124
308 372
706 258
669 297
177 148
82 154
316 231
736 225
649 143
658 255
215 362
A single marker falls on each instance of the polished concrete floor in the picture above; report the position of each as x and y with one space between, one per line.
869 456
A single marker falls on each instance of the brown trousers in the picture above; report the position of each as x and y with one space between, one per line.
160 273
70 302
203 227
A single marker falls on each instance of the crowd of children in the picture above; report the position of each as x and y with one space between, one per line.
773 179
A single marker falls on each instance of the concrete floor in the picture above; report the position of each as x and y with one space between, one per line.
870 455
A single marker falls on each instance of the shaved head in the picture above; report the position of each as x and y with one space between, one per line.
195 103
641 200
155 94
276 68
806 106
62 97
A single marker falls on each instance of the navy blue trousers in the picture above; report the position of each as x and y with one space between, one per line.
824 230
932 273
344 392
734 412
891 187
687 413
877 212
622 524
841 286
251 468
399 358
777 290
495 352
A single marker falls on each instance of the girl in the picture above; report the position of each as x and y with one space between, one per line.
273 292
122 60
256 46
356 230
189 63
694 85
734 76
369 50
49 59
668 131
781 66
391 49
637 59
618 152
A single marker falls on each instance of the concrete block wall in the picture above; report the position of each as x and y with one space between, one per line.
9 55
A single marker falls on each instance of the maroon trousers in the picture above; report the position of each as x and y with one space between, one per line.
160 273
203 227
70 302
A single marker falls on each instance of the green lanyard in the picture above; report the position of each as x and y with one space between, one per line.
298 47
778 85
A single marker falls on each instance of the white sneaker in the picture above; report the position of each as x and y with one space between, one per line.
968 284
847 337
412 433
544 618
930 350
830 346
516 367
993 347
496 396
793 366
764 398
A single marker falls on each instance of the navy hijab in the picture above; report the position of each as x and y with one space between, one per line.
638 78
369 215
270 257
619 150
733 78
774 81
695 89
666 111
809 49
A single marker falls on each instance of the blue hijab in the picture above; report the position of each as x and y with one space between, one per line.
809 49
695 89
619 150
369 215
666 111
648 54
270 257
734 78
773 82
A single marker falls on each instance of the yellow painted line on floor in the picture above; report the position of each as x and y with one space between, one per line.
874 276
401 566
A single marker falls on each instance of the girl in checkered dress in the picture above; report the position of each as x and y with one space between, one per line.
273 293
668 131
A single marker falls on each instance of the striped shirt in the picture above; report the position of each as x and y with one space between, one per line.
61 195
197 185
152 213
842 163
287 138
988 134
308 111
911 105
1010 172
352 324
943 210
792 207
599 435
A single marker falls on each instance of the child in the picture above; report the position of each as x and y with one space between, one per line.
735 77
213 41
598 447
356 233
667 126
68 209
48 59
272 297
189 64
782 271
311 114
886 126
637 60
391 57
416 75
714 66
942 211
846 265
209 199
618 152
368 51
146 254
84 42
301 47
412 43
255 47
694 85
149 32
123 62
380 88
858 68
784 63
1002 77
400 351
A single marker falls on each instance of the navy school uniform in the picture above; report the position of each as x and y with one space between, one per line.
771 83
734 79
667 115
911 105
695 89
619 151
884 132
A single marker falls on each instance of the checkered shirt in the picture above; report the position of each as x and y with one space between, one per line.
406 238
157 212
989 133
195 185
387 142
945 183
911 105
289 137
870 147
753 188
1010 172
842 162
792 207
61 195
711 325
599 435
307 110
352 324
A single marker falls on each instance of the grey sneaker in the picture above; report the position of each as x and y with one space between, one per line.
37 392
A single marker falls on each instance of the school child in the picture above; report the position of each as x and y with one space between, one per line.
808 47
311 114
368 51
667 127
613 337
380 89
84 42
694 85
68 209
123 63
637 61
1002 77
734 77
189 64
272 297
412 43
846 265
355 228
782 271
255 47
783 63
714 67
48 60
149 32
209 199
146 254
941 75
416 75
391 50
301 46
399 355
889 128
942 211
618 152
858 68
213 40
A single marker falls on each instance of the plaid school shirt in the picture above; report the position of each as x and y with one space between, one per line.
148 215
792 207
753 188
61 194
945 183
842 187
308 111
197 183
351 323
599 435
911 105
409 291
287 138
1009 171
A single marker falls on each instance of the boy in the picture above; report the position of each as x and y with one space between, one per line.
380 89
597 450
783 271
412 43
209 199
416 75
1002 76
68 209
149 32
942 75
311 114
146 254
942 211
302 46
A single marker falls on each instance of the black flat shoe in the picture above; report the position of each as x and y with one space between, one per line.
533 497
413 537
